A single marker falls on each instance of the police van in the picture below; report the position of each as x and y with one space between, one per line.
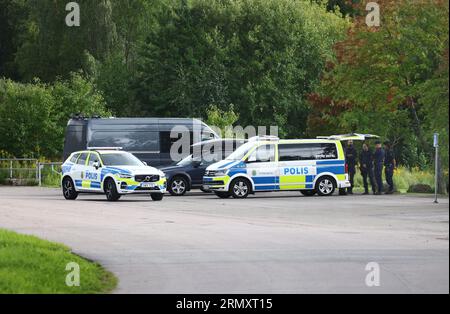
270 164
111 172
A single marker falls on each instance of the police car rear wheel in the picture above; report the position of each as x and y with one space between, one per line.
325 186
240 188
157 196
178 186
69 189
111 191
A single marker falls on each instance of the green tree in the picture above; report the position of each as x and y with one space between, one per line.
262 56
222 119
33 116
377 84
50 49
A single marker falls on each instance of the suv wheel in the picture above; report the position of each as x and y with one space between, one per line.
325 186
240 188
68 188
111 190
178 186
157 196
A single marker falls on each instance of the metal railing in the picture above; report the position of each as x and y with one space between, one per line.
20 170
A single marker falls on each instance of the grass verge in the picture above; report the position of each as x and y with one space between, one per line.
29 265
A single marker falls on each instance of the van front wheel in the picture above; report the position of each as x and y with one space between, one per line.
240 188
325 186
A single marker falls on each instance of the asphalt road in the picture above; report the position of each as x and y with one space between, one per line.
269 243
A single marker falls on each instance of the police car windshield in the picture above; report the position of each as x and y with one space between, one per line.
120 159
241 151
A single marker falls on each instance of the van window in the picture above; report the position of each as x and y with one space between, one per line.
264 153
307 151
136 141
82 159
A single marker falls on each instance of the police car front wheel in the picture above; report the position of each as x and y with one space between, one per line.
240 188
69 191
111 190
325 186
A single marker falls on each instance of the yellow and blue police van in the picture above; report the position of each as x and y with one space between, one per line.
269 164
111 172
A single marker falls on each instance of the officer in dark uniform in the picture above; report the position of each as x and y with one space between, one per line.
366 166
378 159
351 159
389 166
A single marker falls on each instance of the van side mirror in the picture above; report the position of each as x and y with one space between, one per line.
196 163
96 165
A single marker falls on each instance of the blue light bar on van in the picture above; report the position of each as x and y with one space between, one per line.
105 148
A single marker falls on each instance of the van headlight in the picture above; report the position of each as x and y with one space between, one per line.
125 176
221 173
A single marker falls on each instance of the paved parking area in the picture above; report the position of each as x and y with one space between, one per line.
269 243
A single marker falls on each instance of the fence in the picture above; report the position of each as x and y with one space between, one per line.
29 171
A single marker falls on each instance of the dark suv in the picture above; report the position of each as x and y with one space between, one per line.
188 173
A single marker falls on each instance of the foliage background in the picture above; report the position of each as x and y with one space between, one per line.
310 67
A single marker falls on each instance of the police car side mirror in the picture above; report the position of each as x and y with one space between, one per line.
96 165
145 164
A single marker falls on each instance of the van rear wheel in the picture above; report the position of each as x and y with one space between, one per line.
325 186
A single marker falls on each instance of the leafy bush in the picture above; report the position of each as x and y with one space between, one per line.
33 116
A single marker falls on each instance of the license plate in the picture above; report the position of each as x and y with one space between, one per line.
147 185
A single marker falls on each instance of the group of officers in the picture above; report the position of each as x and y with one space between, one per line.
371 165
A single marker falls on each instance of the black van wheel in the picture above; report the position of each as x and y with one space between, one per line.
157 196
111 190
222 194
308 192
68 188
178 186
325 186
240 188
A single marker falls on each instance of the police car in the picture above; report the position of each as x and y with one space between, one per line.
112 172
270 164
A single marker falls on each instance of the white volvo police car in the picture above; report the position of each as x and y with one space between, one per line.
111 172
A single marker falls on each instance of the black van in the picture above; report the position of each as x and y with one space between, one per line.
147 138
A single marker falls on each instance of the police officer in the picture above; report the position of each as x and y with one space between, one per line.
378 159
389 166
351 159
366 166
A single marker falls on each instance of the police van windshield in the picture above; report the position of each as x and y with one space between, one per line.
120 159
241 151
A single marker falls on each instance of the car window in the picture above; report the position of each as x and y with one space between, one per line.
82 159
120 159
93 157
74 158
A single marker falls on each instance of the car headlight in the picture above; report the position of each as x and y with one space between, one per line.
221 173
125 176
